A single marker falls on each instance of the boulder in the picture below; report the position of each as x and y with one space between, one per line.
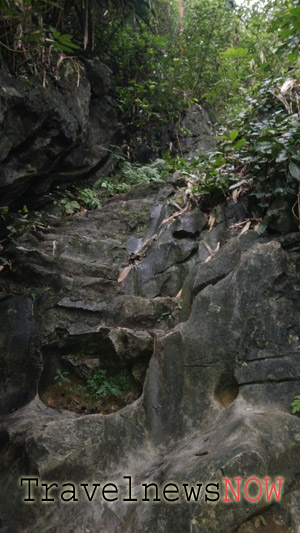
53 134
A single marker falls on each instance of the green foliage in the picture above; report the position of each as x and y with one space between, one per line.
147 76
236 58
60 42
61 376
104 386
68 206
78 198
4 212
266 45
209 28
205 175
159 70
66 203
31 30
88 197
266 156
23 220
128 175
136 175
296 405
235 53
258 152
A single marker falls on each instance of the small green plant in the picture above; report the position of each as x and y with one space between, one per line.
88 197
4 210
83 390
261 520
61 376
103 386
296 405
68 206
72 201
166 316
128 175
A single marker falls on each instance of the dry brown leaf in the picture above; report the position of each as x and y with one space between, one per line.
22 249
284 101
211 222
245 228
238 225
178 295
146 245
60 60
124 273
235 195
288 86
208 247
211 251
1 268
175 215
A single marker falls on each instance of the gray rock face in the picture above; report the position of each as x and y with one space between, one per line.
192 135
195 135
55 133
18 368
221 364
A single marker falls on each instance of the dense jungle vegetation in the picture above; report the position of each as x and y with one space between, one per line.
240 60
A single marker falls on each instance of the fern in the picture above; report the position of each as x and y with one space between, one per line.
296 405
103 386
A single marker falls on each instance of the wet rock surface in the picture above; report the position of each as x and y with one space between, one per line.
211 338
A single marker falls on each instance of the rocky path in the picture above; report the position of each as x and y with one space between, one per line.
205 323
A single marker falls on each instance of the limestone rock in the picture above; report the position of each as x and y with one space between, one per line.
221 372
62 131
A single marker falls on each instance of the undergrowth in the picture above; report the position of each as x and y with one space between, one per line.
98 384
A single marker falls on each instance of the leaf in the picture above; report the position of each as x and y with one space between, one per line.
124 273
211 251
294 170
238 184
245 228
178 295
211 224
288 86
262 520
240 144
233 135
220 161
235 53
282 156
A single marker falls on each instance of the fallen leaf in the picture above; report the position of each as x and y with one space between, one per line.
211 222
288 86
175 215
208 247
124 273
211 251
245 228
178 296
